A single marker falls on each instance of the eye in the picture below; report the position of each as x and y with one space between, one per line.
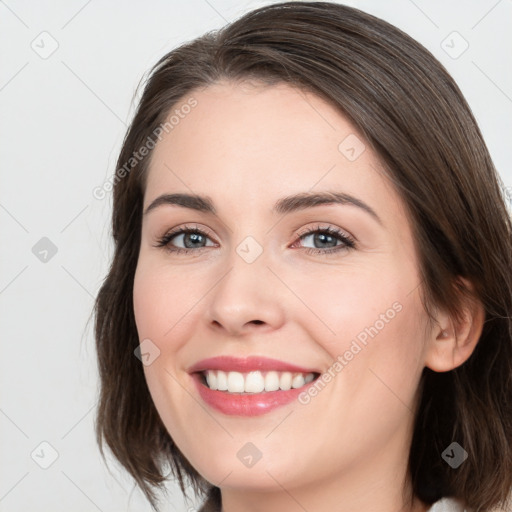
327 239
192 238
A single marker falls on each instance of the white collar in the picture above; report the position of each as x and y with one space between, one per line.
448 505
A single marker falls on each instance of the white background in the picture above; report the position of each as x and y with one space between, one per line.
61 125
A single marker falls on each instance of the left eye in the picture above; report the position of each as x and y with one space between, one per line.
325 237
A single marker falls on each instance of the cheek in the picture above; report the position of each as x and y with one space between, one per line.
164 300
376 351
382 357
145 291
163 309
371 324
348 303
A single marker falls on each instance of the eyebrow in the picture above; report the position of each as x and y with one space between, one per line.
288 204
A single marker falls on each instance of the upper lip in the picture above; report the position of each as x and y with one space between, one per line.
246 364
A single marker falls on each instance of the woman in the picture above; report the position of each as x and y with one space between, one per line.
309 306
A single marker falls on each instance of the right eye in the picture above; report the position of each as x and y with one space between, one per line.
191 238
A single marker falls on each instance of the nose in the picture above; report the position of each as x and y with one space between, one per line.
246 298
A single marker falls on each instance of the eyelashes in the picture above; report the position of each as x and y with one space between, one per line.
196 233
323 235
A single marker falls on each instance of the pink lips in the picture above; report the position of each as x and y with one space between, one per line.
245 404
237 364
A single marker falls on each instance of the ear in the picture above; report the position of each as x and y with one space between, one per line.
451 342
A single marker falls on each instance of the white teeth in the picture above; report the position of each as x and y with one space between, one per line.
285 382
272 381
211 378
309 378
222 381
298 381
235 382
256 381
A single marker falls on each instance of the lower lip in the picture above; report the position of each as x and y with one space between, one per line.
250 404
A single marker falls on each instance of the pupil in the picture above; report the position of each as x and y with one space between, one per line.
322 236
194 237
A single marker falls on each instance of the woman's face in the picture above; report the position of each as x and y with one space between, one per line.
265 280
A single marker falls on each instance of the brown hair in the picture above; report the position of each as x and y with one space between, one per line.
413 115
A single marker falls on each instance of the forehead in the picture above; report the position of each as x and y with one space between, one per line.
248 144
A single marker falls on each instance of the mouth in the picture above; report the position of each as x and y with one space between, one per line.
250 386
254 382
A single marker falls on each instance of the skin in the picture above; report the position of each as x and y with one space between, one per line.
246 146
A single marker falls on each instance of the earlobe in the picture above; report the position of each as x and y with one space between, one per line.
451 341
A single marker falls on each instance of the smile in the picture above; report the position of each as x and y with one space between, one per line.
255 381
249 386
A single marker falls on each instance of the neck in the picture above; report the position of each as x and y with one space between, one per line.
320 500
